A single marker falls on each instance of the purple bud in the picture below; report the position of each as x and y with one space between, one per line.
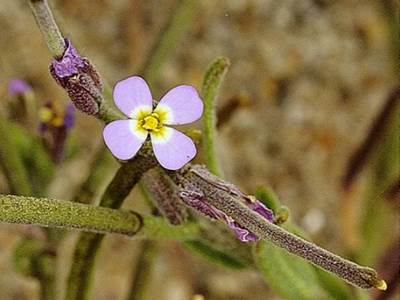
164 193
69 116
18 86
79 78
54 125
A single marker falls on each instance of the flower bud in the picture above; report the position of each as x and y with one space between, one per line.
79 78
164 193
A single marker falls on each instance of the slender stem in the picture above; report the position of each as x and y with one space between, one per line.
141 277
357 275
98 169
212 81
46 273
68 215
47 25
176 27
11 162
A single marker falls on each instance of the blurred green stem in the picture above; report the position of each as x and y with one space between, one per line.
11 162
47 25
212 81
143 271
99 167
169 37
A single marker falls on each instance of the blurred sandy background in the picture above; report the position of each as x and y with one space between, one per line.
315 72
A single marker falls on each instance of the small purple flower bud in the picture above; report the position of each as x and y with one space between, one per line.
164 193
69 116
18 86
54 125
79 78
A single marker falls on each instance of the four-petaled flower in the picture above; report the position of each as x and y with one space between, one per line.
180 105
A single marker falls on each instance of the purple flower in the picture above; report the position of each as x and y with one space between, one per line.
18 86
243 234
181 105
55 123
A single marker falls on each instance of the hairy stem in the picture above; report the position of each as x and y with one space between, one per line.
357 275
47 25
68 215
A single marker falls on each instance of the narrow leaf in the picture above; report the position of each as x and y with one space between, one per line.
211 84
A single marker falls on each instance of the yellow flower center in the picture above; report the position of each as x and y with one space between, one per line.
151 122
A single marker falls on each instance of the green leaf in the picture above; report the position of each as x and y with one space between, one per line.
333 285
378 216
211 84
289 276
213 255
35 158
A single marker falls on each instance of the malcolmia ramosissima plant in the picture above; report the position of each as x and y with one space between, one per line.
156 155
181 105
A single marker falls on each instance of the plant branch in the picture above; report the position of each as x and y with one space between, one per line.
47 25
68 215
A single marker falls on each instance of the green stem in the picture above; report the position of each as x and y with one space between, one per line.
99 167
212 81
68 215
47 25
11 162
46 274
141 277
87 247
177 25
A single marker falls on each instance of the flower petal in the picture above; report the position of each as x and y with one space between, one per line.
172 148
123 138
261 209
132 93
241 233
180 105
